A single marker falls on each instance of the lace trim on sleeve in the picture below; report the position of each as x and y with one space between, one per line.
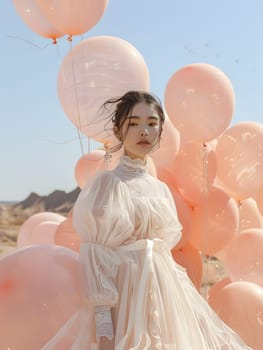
103 320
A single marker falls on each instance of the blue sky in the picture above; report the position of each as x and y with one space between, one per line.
39 147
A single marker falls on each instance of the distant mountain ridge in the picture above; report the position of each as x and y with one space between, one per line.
57 201
12 216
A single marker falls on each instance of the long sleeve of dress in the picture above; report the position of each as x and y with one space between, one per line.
103 225
173 229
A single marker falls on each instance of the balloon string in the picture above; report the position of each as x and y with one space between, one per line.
30 42
58 53
76 98
107 156
89 145
239 205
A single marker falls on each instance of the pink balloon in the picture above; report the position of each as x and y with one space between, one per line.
244 257
190 258
249 218
249 215
73 17
240 159
169 145
25 231
199 99
88 165
95 70
67 236
194 170
166 174
34 18
43 233
221 254
214 222
39 290
215 290
240 305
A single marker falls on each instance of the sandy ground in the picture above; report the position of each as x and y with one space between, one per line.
9 227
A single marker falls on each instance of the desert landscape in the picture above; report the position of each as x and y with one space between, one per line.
12 216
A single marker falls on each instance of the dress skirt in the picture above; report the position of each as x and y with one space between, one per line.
158 308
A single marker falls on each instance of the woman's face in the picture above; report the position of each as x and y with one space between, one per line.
140 131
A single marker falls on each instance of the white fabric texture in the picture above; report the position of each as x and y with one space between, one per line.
103 322
128 223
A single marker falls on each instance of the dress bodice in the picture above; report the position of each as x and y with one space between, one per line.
120 206
151 202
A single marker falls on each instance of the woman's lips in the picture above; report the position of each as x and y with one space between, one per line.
143 142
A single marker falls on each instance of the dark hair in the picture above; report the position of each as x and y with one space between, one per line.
126 103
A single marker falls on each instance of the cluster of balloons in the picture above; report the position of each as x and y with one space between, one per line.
55 18
214 171
217 175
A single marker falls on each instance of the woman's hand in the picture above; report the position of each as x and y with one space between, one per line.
106 343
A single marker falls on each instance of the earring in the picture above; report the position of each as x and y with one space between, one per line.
107 156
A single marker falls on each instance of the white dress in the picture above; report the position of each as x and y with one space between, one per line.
128 223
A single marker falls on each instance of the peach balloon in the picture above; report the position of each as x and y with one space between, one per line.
215 290
199 99
29 224
194 170
34 18
166 174
39 290
88 165
73 17
190 258
44 232
249 215
239 153
240 305
95 70
169 145
214 222
67 236
244 257
221 254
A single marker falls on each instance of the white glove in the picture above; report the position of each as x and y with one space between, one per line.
104 326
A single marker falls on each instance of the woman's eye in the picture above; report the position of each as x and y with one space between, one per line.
153 124
133 124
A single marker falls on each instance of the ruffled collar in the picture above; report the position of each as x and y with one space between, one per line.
132 167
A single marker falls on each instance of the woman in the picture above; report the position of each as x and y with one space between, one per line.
137 296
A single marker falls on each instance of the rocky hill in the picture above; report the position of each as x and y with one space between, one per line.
13 216
57 201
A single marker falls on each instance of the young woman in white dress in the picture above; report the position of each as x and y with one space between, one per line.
137 296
